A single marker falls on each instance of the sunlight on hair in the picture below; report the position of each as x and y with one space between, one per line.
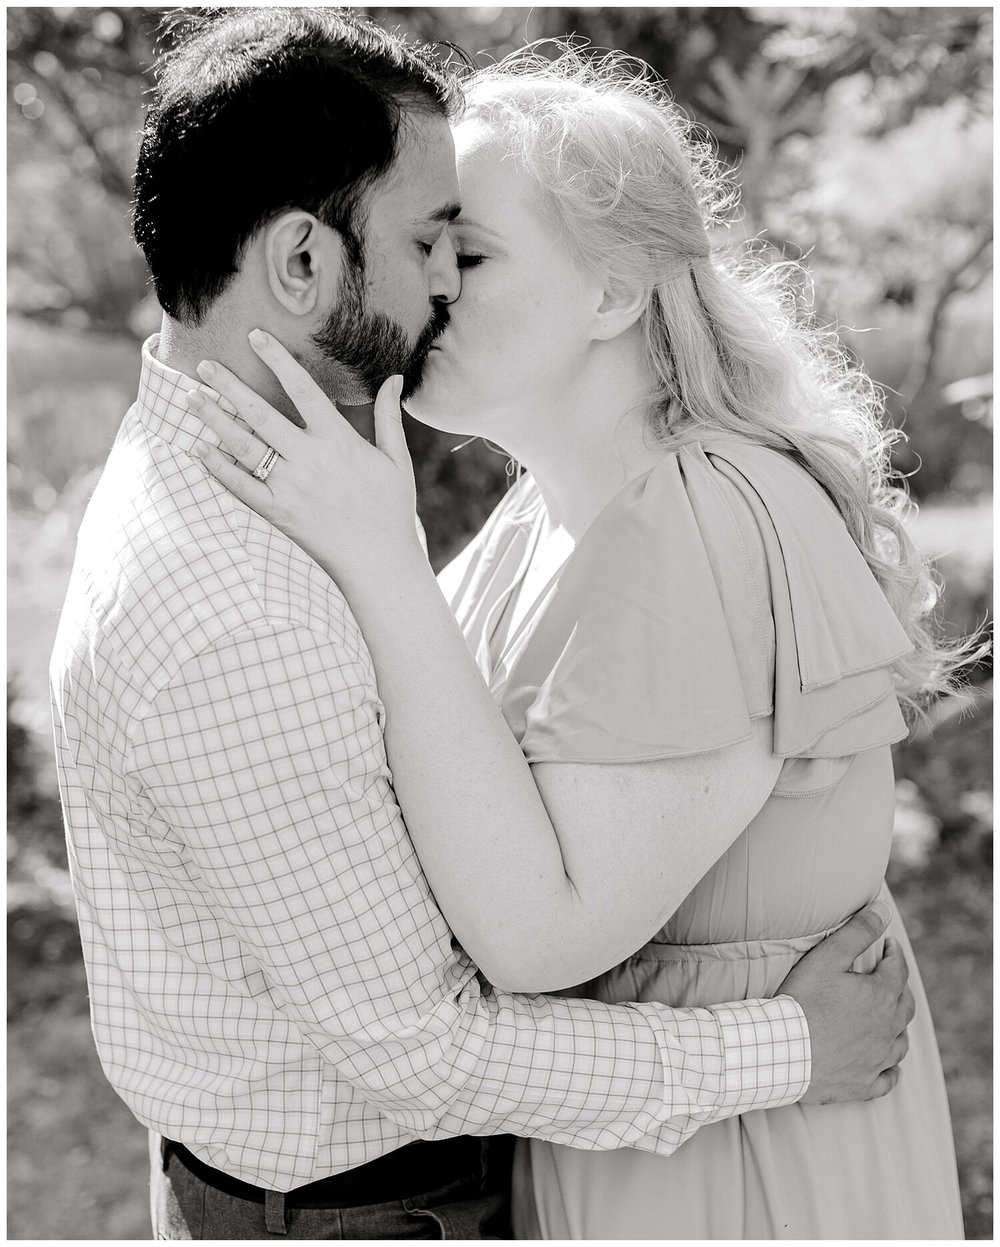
624 175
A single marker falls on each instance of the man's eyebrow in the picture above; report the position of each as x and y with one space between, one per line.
446 213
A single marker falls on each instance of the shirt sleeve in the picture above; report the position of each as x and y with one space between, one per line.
262 764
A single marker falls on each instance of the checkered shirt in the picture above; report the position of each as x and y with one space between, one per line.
271 981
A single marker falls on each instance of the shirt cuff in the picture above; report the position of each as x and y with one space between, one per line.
766 1053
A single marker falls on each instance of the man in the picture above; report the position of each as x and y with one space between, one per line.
274 992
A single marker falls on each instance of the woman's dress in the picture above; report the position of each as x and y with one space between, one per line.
720 587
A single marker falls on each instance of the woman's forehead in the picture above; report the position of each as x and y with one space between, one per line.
494 197
485 164
472 135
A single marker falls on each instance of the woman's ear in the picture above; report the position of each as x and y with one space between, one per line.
621 306
302 259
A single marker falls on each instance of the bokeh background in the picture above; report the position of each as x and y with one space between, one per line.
862 139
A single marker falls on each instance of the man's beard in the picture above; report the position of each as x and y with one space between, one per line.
372 346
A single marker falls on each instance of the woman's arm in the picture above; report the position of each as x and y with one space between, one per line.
552 874
545 884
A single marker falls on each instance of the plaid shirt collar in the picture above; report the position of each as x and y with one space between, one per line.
160 407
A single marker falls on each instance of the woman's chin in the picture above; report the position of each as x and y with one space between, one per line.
432 405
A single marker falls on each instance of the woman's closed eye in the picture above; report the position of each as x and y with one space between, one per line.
469 259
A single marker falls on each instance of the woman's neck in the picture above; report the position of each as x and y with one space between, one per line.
584 453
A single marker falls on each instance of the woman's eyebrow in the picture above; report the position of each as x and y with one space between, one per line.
464 222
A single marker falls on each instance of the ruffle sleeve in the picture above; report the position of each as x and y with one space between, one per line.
720 587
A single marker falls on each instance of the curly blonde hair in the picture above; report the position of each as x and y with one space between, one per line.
624 175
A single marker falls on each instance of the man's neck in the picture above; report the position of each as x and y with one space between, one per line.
183 350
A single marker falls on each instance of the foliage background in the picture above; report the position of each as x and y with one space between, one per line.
862 139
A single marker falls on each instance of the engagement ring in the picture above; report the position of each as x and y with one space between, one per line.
263 469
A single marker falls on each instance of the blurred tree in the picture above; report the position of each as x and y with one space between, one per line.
848 88
75 78
755 75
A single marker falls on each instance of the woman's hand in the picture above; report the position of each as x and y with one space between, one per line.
350 505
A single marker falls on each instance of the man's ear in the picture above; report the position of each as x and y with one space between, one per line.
303 260
621 306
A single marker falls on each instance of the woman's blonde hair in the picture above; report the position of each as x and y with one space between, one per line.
625 176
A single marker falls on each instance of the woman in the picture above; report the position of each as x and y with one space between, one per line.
695 615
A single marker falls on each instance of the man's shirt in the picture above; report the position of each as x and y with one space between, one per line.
271 981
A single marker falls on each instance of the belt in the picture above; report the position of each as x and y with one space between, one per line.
407 1171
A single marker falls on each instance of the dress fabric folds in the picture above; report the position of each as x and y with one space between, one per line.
718 588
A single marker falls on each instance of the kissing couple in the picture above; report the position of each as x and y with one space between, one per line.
544 899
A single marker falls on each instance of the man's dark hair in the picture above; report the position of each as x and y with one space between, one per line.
257 111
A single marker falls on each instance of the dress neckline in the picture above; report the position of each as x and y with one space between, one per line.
536 521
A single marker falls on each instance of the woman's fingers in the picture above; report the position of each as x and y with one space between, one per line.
310 401
253 492
245 448
389 435
269 425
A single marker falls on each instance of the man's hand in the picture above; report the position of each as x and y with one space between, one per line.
857 1022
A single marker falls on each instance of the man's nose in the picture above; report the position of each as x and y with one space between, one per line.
446 277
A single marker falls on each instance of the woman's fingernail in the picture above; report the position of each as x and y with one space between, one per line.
206 368
195 400
259 339
397 385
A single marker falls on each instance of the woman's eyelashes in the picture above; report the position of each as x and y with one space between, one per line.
469 259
